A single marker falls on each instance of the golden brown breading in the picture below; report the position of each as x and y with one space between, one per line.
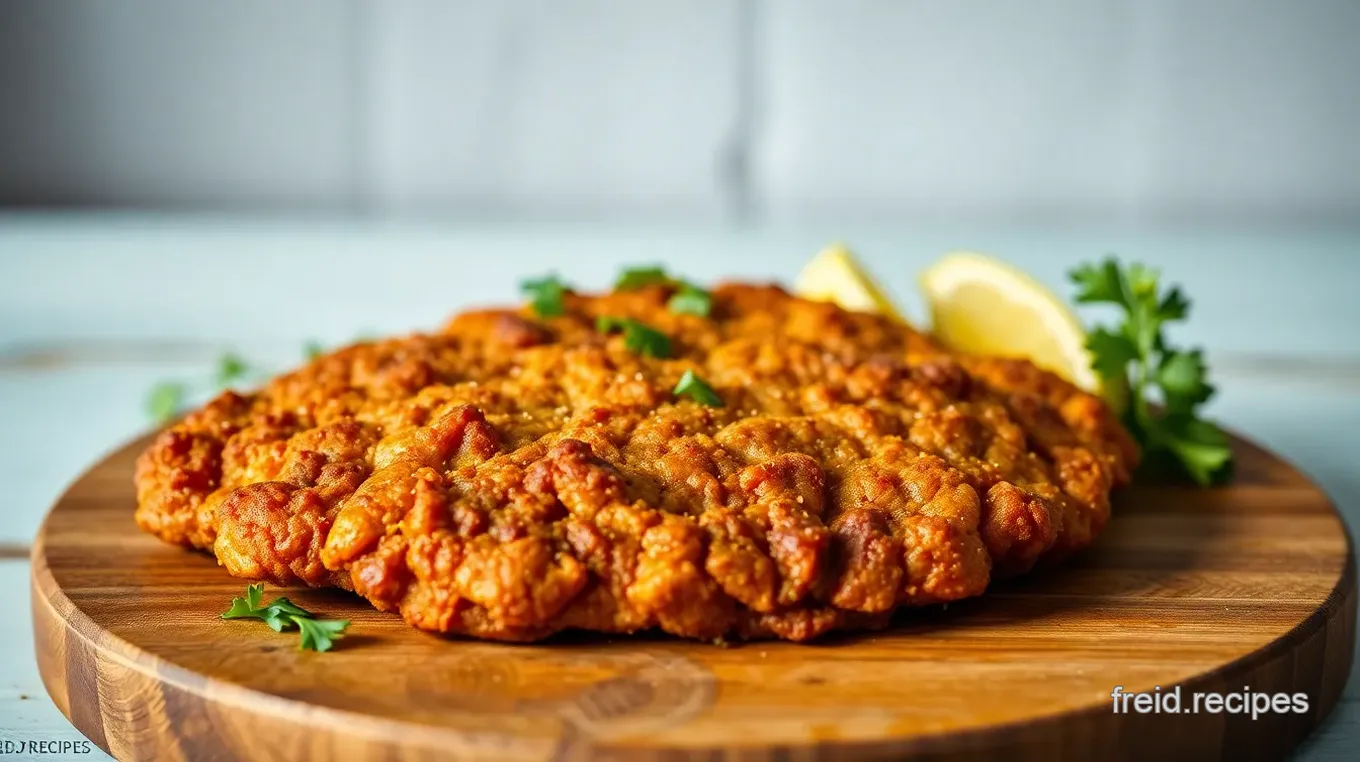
509 477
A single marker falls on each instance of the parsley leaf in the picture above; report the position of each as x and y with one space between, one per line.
230 368
1100 283
288 607
247 606
1141 280
1174 306
282 614
691 300
688 299
1136 353
313 349
1200 447
545 295
165 400
697 389
1183 379
277 620
1111 353
318 634
637 336
637 277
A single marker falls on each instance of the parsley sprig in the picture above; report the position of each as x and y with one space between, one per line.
691 300
546 295
281 614
231 368
1135 355
639 277
697 389
637 336
688 298
165 400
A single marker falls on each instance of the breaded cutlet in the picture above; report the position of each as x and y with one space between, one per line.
509 477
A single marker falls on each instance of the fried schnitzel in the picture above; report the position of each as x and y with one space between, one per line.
508 477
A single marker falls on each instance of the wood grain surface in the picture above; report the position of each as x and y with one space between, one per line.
1251 585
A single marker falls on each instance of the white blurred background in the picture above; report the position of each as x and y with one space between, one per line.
1142 112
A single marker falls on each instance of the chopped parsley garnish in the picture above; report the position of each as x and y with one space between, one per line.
1136 355
545 295
319 634
691 300
165 400
313 349
688 299
230 369
281 614
697 389
637 336
637 277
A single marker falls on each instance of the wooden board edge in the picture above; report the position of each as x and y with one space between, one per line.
111 691
86 670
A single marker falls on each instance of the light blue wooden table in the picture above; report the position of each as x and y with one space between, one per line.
95 309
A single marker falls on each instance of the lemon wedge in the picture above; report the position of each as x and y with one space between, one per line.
982 306
834 275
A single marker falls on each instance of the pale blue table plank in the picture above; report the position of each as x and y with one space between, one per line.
58 423
1336 739
26 713
254 281
1318 429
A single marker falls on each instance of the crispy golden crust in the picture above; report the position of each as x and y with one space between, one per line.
508 478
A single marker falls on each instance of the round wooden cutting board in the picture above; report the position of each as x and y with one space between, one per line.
1248 587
